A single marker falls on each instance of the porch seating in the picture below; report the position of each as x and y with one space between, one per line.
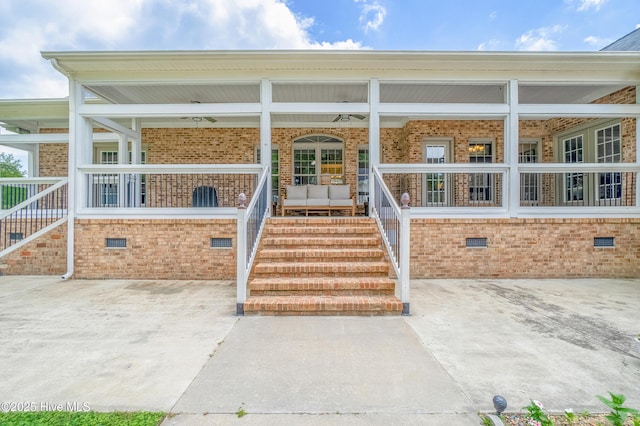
318 198
205 196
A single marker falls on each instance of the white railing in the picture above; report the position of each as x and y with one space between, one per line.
394 223
250 224
488 190
37 205
165 189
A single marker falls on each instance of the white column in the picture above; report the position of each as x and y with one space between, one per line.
511 149
637 117
405 259
241 261
374 134
77 131
136 158
265 134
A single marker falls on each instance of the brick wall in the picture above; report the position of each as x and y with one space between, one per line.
524 248
156 249
46 255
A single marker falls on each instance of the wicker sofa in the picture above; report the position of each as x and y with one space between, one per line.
317 198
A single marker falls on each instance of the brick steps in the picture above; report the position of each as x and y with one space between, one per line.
321 266
351 286
321 269
321 255
317 242
323 305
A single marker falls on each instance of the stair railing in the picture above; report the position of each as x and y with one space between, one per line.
250 222
36 215
394 222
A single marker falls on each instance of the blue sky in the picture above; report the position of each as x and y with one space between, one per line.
30 26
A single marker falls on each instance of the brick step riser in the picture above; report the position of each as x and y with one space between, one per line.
322 292
328 257
322 313
321 244
322 274
320 235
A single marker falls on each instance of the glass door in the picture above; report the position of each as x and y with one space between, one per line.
436 185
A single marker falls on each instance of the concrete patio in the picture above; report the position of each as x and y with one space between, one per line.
177 346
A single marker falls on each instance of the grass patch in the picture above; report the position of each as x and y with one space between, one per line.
90 418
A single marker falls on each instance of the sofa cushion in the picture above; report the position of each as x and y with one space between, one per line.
294 203
317 202
296 192
317 192
339 192
341 203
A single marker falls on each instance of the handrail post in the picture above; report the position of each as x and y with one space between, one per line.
405 252
241 253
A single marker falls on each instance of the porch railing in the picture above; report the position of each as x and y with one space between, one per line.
579 188
167 186
544 188
251 221
394 223
36 206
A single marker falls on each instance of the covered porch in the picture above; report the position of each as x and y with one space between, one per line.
152 138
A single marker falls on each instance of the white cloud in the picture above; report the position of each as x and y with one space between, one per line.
372 15
493 15
598 42
140 25
584 5
540 39
493 44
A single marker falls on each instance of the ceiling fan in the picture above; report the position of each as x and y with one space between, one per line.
347 117
199 119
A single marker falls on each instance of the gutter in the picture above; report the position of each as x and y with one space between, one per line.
71 184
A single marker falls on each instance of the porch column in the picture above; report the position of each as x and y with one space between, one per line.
511 144
79 133
265 132
374 133
637 117
136 158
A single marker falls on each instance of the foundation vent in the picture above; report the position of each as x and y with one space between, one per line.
115 243
476 242
15 236
221 243
603 242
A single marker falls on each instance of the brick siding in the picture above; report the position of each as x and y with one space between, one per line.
524 248
156 249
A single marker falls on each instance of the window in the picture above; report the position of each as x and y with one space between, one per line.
480 185
275 171
529 152
596 144
105 186
318 159
609 151
574 182
436 185
363 174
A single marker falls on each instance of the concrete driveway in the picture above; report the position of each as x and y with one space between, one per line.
177 346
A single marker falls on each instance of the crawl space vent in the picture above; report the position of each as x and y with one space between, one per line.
476 242
116 243
220 242
603 242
